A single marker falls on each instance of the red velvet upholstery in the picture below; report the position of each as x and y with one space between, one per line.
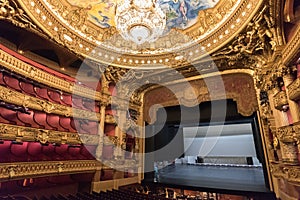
65 122
41 119
61 150
27 119
5 151
12 82
66 99
11 116
53 121
27 88
34 150
54 96
42 93
1 79
19 152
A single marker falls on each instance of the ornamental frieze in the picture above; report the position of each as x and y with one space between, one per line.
19 170
27 134
20 99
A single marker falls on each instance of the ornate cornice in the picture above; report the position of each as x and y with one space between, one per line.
292 48
19 170
291 173
286 134
20 99
252 46
280 99
12 12
27 134
294 90
12 63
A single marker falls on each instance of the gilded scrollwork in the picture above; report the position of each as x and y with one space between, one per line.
294 90
11 11
280 100
251 46
286 134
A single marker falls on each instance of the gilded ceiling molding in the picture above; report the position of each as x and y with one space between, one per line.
252 46
243 93
27 134
12 63
26 101
12 12
19 170
68 25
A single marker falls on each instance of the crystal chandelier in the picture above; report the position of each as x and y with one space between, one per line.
140 20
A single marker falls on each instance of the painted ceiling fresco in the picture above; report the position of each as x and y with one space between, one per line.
180 14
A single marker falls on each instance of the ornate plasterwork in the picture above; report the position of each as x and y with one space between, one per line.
280 99
243 93
291 173
27 134
20 99
18 170
68 26
11 11
252 46
294 90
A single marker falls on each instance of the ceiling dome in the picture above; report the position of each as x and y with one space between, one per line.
191 27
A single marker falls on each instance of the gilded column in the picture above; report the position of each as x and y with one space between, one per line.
101 131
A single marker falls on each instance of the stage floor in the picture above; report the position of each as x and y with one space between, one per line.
232 179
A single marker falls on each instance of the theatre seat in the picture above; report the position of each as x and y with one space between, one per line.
12 82
53 121
19 152
27 88
11 116
41 119
54 96
27 119
34 150
42 93
66 99
65 122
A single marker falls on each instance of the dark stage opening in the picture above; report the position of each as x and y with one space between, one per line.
221 154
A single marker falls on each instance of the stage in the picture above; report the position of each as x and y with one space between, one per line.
222 179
